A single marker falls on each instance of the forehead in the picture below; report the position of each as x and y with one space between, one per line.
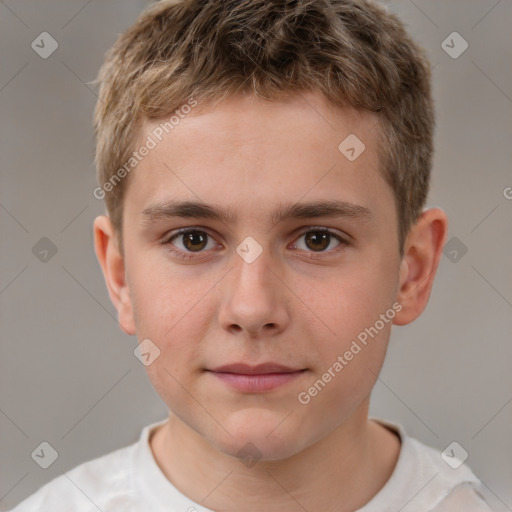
242 116
249 151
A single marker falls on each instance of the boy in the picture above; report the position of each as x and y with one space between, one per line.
265 165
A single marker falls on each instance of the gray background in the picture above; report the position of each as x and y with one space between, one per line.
68 374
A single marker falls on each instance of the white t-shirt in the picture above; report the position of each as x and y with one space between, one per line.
129 479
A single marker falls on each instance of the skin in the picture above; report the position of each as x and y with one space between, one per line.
287 306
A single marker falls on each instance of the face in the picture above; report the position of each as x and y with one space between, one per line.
263 283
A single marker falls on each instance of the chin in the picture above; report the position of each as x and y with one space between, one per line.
251 449
265 439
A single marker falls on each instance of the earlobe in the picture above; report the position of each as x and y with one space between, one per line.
113 267
422 253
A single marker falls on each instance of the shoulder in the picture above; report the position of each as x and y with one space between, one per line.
465 497
453 485
425 478
103 483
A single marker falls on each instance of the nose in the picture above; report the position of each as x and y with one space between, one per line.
254 298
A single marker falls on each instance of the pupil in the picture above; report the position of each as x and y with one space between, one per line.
194 238
318 238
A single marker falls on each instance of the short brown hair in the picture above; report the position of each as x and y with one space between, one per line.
353 51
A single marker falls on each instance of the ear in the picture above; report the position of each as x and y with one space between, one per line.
112 264
422 253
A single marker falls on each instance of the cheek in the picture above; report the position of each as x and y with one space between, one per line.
167 299
348 367
356 305
171 309
349 299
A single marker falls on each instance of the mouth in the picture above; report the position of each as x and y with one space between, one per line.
256 379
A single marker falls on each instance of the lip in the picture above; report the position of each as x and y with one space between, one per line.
256 379
259 369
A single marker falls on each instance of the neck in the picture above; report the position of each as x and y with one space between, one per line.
341 472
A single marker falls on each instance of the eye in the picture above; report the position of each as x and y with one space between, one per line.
318 240
189 241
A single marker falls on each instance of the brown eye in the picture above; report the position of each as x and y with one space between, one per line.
319 240
191 241
194 240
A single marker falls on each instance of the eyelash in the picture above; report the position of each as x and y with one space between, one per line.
312 229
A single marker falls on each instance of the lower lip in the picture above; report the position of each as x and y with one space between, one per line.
256 383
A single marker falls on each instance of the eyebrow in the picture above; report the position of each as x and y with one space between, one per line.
196 209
